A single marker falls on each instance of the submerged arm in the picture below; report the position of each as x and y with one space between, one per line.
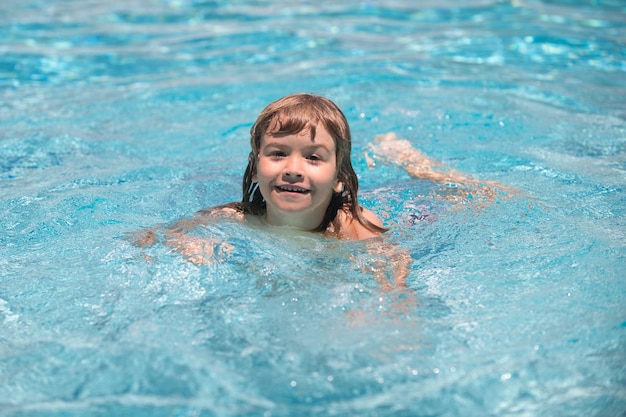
196 249
388 263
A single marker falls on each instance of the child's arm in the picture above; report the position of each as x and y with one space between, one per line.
387 262
391 270
199 250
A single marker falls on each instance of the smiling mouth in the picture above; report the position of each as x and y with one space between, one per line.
292 189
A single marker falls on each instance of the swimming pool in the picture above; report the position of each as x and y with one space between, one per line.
120 115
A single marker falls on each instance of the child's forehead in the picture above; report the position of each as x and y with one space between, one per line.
291 121
321 138
279 133
321 135
282 126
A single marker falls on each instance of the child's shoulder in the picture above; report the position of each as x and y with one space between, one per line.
349 228
371 217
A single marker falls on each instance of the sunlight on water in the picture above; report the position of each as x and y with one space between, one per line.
116 116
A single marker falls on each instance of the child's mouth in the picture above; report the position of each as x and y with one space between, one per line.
291 189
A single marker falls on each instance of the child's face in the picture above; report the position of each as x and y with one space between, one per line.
296 176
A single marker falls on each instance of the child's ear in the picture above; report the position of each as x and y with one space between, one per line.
338 187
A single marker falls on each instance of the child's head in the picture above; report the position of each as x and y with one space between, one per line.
291 115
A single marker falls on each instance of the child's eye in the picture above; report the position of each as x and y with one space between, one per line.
277 154
314 158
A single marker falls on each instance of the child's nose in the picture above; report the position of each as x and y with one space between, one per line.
293 169
291 177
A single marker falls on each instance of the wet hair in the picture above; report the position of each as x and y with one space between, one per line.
290 115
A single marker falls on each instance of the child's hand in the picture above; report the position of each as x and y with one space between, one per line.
143 238
388 263
199 250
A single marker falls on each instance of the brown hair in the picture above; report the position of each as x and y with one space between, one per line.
290 115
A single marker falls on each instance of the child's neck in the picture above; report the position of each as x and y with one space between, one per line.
301 221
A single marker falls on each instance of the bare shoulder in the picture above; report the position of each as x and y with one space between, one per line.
371 217
351 229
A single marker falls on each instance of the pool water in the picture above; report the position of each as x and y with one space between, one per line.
120 115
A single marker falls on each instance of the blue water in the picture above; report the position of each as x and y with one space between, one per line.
120 115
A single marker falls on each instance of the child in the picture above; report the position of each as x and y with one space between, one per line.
299 175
